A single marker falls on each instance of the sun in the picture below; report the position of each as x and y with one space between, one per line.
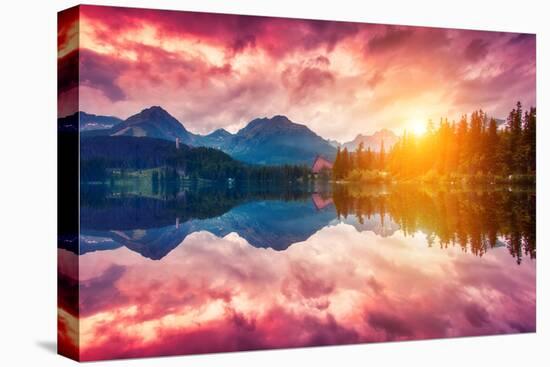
417 126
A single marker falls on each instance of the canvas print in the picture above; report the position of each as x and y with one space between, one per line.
234 183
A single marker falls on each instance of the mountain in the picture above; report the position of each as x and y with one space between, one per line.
278 140
153 122
153 227
268 141
373 141
219 139
334 143
89 122
99 154
265 224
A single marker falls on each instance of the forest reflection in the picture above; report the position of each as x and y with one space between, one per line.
474 219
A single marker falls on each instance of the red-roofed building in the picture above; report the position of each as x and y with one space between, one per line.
320 202
321 164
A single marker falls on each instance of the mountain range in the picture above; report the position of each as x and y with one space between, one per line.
374 141
90 122
149 226
269 141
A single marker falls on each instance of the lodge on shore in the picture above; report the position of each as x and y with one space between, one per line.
321 164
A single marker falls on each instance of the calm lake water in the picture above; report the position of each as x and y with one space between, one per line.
198 270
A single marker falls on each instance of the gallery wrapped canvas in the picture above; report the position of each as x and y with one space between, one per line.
235 183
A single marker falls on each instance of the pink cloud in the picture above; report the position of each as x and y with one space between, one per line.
339 78
388 41
340 286
476 50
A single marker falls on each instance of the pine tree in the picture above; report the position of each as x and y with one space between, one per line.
337 166
360 156
513 157
530 139
382 156
474 141
369 159
462 145
345 162
471 146
491 147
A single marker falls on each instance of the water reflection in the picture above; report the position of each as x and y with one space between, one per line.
475 219
210 270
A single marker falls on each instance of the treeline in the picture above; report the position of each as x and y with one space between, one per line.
100 170
363 160
105 208
474 220
475 147
100 155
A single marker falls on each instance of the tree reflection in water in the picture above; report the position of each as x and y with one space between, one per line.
475 219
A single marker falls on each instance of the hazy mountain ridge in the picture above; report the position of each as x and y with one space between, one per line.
91 122
97 122
374 141
217 139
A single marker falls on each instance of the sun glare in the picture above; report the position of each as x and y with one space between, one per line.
417 126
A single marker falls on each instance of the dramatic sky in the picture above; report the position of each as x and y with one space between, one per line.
339 78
